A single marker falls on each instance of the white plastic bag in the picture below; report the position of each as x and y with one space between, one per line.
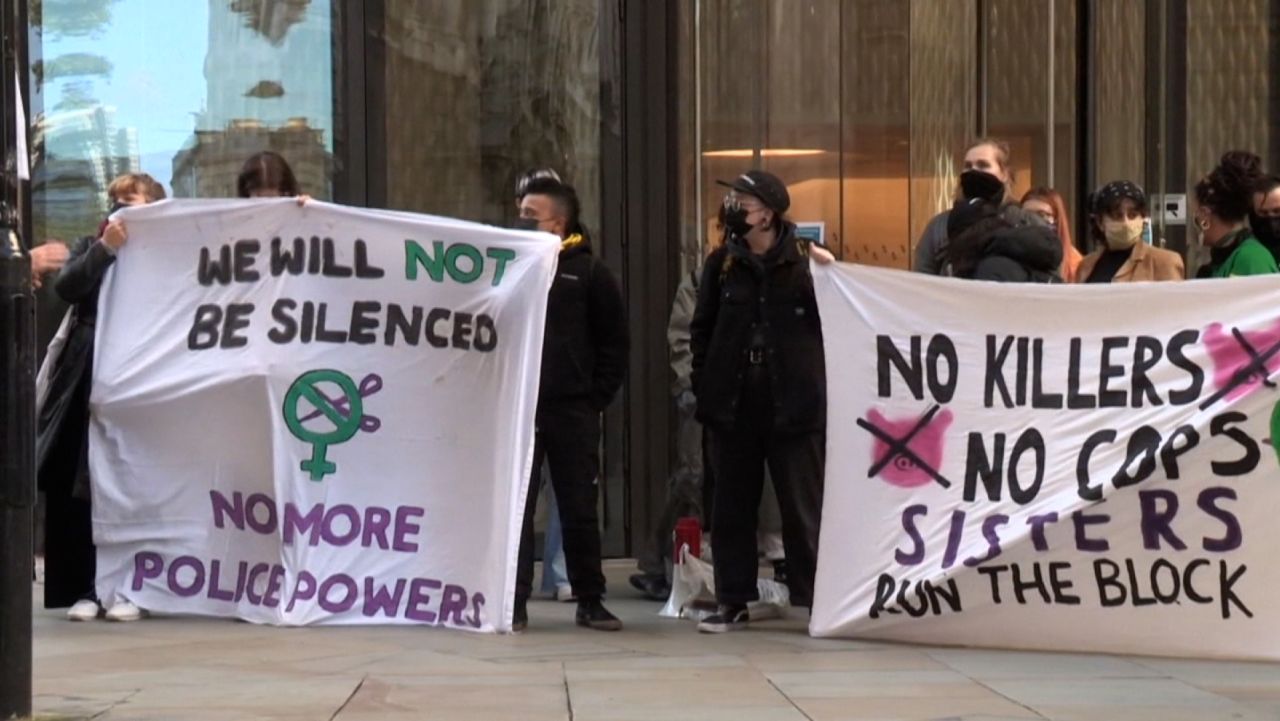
693 592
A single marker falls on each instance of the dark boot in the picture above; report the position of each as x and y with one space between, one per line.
592 614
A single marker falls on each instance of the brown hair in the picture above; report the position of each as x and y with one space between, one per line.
1004 157
266 171
1070 256
139 183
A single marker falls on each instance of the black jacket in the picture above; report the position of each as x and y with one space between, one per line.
584 353
1028 254
64 417
738 290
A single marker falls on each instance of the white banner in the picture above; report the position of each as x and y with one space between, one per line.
1052 467
316 414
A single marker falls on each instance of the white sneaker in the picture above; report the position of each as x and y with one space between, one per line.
84 610
564 593
124 611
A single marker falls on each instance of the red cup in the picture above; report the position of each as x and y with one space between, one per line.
688 532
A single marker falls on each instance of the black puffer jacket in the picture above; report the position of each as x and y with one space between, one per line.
584 353
1029 254
739 289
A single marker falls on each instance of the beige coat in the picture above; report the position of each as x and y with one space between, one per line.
1146 263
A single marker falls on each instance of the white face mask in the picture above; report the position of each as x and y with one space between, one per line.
1122 234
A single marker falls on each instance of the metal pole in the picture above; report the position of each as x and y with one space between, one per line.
17 475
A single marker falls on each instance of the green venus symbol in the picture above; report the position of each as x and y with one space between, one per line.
345 413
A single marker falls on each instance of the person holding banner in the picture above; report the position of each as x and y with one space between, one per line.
62 464
759 375
584 361
1049 205
983 157
268 175
1117 221
1224 200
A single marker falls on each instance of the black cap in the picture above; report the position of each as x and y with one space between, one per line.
766 186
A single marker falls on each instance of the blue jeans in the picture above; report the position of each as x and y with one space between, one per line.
554 573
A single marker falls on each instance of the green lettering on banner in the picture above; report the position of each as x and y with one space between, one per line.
463 262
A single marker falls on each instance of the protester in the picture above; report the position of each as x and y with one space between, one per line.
1048 204
268 175
555 576
989 156
1117 222
987 241
1265 219
760 380
584 362
1224 200
46 258
63 425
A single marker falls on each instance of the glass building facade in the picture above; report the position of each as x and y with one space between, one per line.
861 106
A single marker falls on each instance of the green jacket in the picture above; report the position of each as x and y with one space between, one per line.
1250 257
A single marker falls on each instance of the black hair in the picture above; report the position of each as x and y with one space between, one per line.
522 183
1268 184
565 198
266 171
1228 189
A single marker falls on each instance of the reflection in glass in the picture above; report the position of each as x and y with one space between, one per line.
182 91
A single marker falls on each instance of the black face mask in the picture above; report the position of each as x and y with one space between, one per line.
525 224
980 185
1266 229
116 206
735 220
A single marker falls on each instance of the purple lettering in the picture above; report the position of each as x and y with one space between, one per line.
303 590
454 604
376 522
197 580
146 565
1208 503
406 528
418 598
377 598
349 600
330 536
1156 522
275 583
989 527
1082 522
477 603
259 500
215 576
1037 524
222 509
909 515
296 524
251 588
953 539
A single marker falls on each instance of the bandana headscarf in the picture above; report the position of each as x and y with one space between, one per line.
1110 195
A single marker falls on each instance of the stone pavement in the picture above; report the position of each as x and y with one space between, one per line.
656 670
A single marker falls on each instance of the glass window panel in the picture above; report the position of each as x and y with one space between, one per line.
875 125
1017 85
1119 91
479 92
182 91
943 77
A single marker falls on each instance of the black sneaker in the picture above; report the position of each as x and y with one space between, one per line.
652 586
592 614
727 618
520 617
780 571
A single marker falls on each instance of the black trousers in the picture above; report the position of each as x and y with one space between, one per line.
568 438
796 464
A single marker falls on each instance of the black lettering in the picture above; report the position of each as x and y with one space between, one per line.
1223 425
323 334
941 347
363 327
308 320
331 268
1075 399
286 327
1109 398
283 260
204 331
995 371
246 253
1083 488
1106 572
409 327
1030 440
1133 585
1172 451
1143 446
1061 586
1024 359
1190 394
1036 583
365 269
1227 595
1040 399
211 271
887 354
433 319
1147 353
237 319
486 335
462 331
885 586
979 465
993 573
1170 596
